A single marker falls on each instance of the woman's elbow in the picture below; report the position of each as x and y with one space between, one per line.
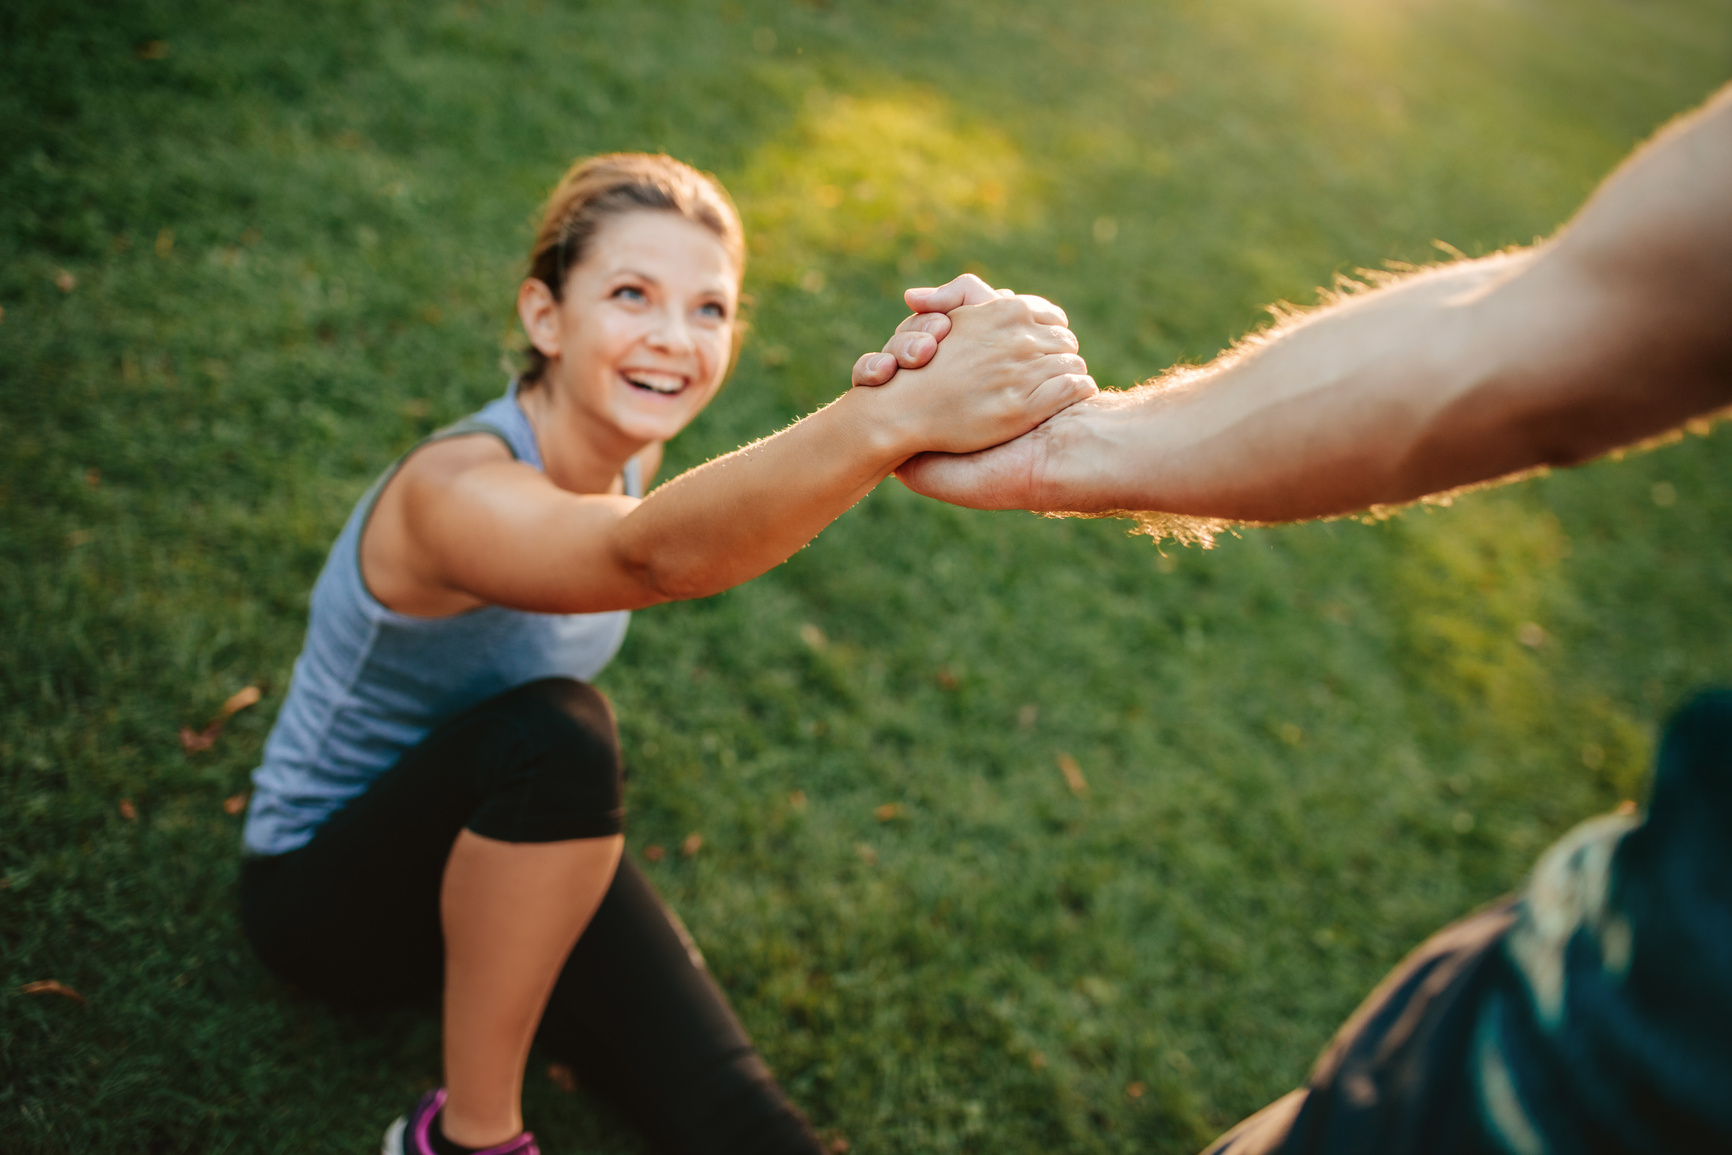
663 578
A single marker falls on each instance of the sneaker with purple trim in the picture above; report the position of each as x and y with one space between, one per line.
412 1134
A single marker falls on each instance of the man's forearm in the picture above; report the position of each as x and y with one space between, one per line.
1338 411
1618 329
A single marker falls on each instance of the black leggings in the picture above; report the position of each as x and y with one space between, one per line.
353 916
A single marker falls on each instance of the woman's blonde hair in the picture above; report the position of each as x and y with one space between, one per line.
600 187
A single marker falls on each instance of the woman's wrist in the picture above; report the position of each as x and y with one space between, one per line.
878 425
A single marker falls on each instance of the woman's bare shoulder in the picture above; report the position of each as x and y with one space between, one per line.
443 458
395 562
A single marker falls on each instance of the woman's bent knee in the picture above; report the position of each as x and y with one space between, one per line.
562 778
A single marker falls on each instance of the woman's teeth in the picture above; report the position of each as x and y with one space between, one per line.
665 383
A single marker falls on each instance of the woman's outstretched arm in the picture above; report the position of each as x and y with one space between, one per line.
495 531
1617 329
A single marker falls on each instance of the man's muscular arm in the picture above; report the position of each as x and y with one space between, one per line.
1617 329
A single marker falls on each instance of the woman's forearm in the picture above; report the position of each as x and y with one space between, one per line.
733 518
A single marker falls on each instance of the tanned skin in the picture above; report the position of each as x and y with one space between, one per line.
1614 330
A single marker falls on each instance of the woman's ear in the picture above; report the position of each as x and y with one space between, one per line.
539 313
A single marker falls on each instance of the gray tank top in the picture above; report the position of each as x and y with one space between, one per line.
371 683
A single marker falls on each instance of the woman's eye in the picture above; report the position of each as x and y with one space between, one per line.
714 310
628 293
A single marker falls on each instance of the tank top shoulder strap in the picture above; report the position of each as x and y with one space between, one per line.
504 418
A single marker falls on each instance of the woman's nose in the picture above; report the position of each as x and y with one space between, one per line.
670 332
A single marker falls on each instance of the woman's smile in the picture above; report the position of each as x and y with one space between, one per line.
655 381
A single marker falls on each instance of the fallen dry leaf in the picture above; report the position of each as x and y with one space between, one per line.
866 853
1136 1091
797 800
240 700
1037 1060
948 680
694 842
65 280
235 803
1073 775
128 811
1532 635
561 1076
50 987
838 1144
653 853
192 741
887 812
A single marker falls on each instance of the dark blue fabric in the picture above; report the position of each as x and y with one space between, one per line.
1591 1015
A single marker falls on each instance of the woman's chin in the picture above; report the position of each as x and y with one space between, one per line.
655 417
648 427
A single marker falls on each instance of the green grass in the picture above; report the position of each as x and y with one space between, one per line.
288 237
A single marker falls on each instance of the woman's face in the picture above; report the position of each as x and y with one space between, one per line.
645 328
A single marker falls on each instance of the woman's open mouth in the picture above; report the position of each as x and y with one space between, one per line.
666 384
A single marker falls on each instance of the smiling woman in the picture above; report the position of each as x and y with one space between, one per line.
439 804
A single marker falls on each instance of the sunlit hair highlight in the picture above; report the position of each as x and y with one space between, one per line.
599 187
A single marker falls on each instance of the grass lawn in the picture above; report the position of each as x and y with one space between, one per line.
249 252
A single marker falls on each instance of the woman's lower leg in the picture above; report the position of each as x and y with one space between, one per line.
643 1025
511 913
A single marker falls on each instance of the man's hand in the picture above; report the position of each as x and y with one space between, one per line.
916 339
1057 466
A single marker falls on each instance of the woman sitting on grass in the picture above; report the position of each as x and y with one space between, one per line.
439 803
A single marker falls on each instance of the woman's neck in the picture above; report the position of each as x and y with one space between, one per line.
577 454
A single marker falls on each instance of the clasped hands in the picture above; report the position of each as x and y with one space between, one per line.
1029 471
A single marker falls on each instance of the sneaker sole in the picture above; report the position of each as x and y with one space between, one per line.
393 1144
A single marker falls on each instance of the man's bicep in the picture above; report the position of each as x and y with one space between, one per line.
1657 234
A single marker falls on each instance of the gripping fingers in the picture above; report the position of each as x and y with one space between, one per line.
874 369
916 339
1056 365
1041 310
910 347
967 289
911 350
937 324
1061 392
